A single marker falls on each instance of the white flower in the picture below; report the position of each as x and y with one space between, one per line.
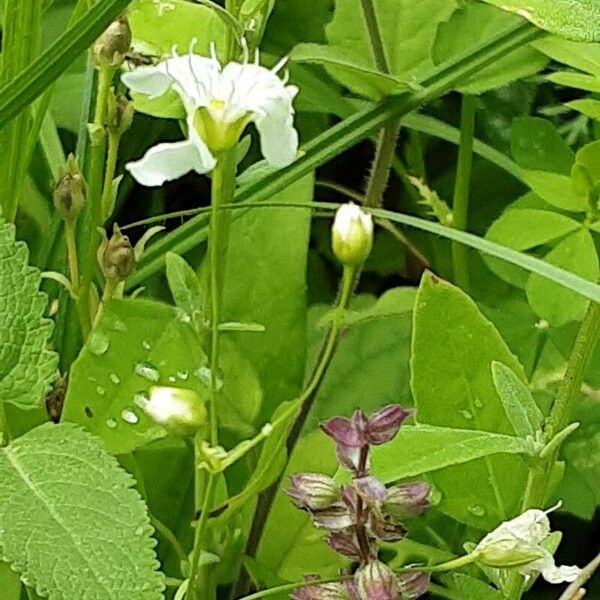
178 410
518 543
352 234
219 104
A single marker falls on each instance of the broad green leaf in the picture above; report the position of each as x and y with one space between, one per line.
586 106
519 405
72 525
393 302
579 55
537 145
586 171
470 25
21 91
555 189
27 366
425 448
374 83
573 19
576 253
470 588
10 583
265 283
185 287
452 351
407 29
581 81
136 345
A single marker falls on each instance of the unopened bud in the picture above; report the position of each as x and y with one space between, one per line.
384 528
407 500
179 411
385 423
110 48
333 517
116 256
376 581
313 491
413 585
327 591
344 544
120 114
352 235
507 553
69 193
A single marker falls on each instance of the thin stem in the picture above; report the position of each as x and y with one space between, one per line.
455 563
382 163
375 37
290 587
109 174
223 186
72 255
460 210
571 592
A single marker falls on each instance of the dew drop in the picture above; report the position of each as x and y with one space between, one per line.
92 379
140 400
478 403
183 317
115 378
477 510
146 345
172 379
98 343
147 371
466 414
129 416
111 423
183 375
204 375
100 390
115 324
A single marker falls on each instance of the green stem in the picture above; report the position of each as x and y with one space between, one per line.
290 587
109 175
455 563
460 210
375 37
223 186
382 163
72 255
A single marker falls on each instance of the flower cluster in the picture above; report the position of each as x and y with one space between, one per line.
363 513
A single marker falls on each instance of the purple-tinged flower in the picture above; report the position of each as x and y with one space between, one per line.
344 544
327 591
385 423
351 458
407 500
347 432
350 498
385 529
313 491
376 581
335 517
413 585
371 490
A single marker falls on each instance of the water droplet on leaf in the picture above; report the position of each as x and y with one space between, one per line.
477 510
100 390
111 423
115 378
466 414
129 416
98 343
147 371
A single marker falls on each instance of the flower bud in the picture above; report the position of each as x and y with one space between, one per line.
383 528
110 48
334 517
344 544
376 581
413 585
407 500
313 491
327 591
507 553
116 256
179 411
385 423
352 235
120 114
371 490
69 193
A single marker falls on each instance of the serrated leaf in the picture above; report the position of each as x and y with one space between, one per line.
71 523
519 405
425 448
452 352
27 367
573 19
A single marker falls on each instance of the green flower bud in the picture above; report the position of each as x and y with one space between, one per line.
69 193
110 48
508 553
116 256
120 114
180 411
352 235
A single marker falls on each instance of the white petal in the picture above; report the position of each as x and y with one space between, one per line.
278 138
550 572
150 81
166 162
532 527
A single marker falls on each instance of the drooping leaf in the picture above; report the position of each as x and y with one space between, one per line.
573 19
519 405
136 345
426 448
576 253
27 366
470 25
71 524
452 352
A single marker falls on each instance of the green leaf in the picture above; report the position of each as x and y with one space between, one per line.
472 24
265 283
452 352
27 367
470 588
586 106
10 583
579 55
185 287
394 302
425 448
573 19
576 253
555 189
586 171
590 83
72 525
537 145
21 91
519 405
136 345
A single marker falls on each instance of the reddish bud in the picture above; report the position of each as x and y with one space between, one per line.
346 432
313 491
385 423
334 517
371 490
344 544
413 585
327 591
350 457
407 500
383 528
376 581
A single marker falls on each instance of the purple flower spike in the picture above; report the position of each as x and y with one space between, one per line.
335 517
350 457
376 581
372 491
327 591
313 491
385 423
347 432
383 528
407 500
413 585
344 544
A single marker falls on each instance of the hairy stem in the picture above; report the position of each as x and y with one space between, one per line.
571 592
460 210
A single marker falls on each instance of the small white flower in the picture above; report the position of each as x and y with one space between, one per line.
518 544
352 234
219 103
178 410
